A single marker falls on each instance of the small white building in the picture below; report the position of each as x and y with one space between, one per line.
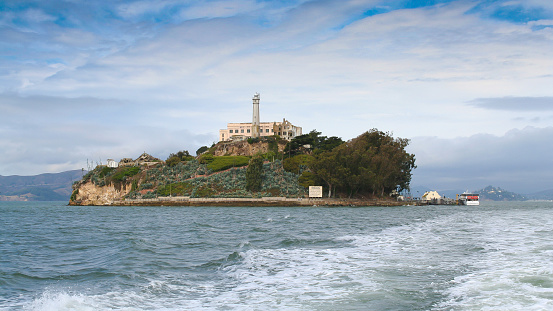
112 163
431 195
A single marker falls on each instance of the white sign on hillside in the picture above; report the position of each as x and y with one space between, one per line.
315 191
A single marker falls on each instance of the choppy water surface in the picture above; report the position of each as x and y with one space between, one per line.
498 256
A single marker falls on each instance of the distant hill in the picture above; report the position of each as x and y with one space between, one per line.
43 187
491 193
542 195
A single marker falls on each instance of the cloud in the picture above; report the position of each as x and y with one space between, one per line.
175 12
41 134
131 10
544 103
217 9
60 148
520 160
114 79
37 16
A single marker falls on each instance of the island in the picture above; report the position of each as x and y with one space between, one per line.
369 170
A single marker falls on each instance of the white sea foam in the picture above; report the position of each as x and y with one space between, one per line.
295 278
455 261
61 301
497 263
243 244
516 271
491 264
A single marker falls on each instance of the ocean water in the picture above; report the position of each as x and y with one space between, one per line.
498 256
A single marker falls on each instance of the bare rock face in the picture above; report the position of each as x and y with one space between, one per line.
243 148
90 194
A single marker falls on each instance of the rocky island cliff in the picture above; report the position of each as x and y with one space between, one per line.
218 173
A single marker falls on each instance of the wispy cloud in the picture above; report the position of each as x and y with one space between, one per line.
119 78
39 132
544 103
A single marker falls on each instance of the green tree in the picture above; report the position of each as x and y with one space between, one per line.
172 161
254 174
324 165
373 163
206 158
296 164
313 141
295 146
201 150
273 143
176 158
385 165
307 179
355 167
329 143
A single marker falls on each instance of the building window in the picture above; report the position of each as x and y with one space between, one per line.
267 131
230 131
248 130
241 131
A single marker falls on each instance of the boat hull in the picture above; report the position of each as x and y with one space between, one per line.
469 199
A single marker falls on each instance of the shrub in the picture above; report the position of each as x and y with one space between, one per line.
307 179
105 171
148 185
134 185
270 156
88 176
273 145
126 172
149 195
254 174
172 161
74 195
204 191
201 150
206 158
175 189
253 140
225 162
296 164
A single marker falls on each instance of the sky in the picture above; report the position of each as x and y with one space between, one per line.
469 82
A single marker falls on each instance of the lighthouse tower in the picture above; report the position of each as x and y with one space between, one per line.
255 120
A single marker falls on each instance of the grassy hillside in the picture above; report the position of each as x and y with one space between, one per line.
223 176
